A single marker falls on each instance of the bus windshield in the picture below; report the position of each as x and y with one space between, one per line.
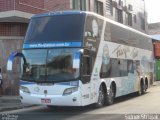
50 65
56 28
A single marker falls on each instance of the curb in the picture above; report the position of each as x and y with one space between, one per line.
15 108
11 103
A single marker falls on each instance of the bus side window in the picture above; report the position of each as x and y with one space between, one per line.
86 71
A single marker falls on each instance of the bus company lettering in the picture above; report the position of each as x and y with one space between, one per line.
121 51
64 44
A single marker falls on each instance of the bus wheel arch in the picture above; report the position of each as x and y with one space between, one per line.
111 93
101 95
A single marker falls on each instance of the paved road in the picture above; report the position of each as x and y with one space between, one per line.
124 107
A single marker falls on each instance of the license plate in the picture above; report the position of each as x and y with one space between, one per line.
46 100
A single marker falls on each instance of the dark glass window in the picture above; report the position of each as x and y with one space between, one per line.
55 28
130 66
120 3
51 65
142 23
35 67
129 19
60 64
89 5
135 18
116 68
86 65
99 7
119 16
79 4
127 37
109 7
93 31
123 67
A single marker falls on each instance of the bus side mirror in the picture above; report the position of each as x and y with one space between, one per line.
11 59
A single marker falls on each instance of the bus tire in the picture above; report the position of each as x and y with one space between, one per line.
110 95
142 88
101 98
146 84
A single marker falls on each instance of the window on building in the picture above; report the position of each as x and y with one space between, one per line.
79 4
109 7
129 19
130 7
142 24
99 7
119 15
135 18
120 3
89 3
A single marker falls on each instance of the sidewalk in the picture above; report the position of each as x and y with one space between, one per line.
156 83
11 103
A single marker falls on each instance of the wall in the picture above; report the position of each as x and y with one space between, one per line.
11 39
34 6
138 11
10 80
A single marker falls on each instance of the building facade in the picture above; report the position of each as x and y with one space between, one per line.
154 30
128 12
15 16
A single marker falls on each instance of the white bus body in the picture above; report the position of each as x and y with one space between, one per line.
112 60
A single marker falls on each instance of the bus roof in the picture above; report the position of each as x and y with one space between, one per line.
59 13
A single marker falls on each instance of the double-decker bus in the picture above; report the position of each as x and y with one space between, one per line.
76 58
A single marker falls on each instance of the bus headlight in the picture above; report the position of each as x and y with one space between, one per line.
24 89
69 91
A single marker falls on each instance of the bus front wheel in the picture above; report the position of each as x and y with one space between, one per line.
101 98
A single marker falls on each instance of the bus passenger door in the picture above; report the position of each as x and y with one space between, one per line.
86 77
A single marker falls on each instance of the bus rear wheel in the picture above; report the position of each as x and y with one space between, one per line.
110 95
142 88
146 84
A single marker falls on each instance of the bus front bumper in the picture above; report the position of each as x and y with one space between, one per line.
55 100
